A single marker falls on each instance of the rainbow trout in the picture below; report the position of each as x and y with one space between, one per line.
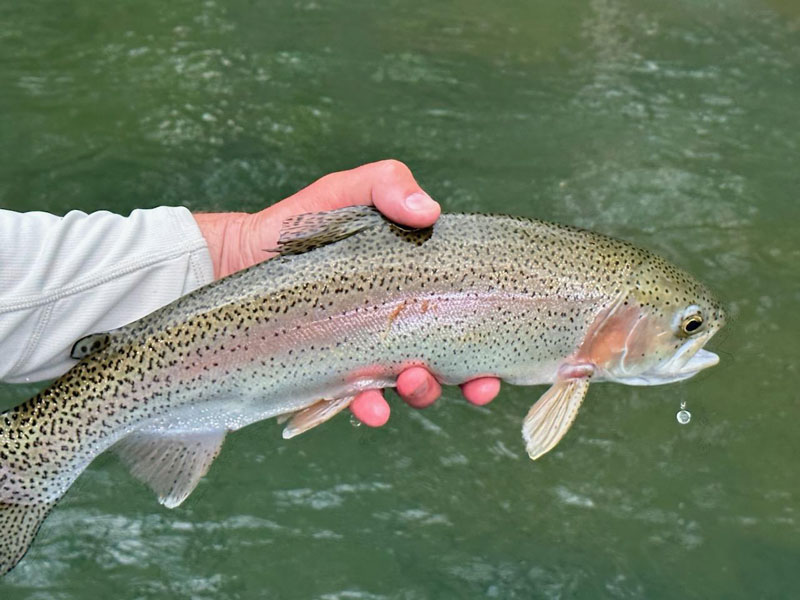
351 301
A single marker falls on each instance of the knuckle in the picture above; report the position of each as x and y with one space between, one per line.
393 168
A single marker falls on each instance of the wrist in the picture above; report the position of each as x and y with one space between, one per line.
223 233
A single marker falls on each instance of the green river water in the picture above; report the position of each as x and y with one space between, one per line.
672 124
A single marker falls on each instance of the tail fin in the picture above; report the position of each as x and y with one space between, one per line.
19 524
28 489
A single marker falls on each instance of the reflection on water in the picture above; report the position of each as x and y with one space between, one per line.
671 126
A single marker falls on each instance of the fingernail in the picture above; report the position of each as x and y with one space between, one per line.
420 201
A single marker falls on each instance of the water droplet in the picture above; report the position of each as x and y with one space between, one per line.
354 422
683 416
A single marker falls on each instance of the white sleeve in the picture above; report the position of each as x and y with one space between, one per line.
62 278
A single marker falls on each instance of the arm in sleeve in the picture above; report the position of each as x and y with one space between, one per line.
62 278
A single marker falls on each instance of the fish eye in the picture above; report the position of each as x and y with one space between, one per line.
688 321
691 324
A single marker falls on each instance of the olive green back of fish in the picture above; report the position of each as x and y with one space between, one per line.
374 258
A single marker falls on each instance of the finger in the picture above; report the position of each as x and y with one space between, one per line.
397 195
418 387
370 408
481 391
388 184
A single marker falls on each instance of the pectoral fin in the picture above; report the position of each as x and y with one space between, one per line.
314 415
552 415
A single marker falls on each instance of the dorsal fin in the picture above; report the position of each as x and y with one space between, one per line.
171 465
90 344
305 232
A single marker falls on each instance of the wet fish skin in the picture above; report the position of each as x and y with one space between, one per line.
527 301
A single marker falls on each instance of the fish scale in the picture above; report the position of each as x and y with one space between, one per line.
351 302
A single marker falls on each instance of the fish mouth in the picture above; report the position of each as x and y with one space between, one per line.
702 359
688 361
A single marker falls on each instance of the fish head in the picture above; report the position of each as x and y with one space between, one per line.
655 332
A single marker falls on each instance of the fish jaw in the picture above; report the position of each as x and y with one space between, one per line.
701 360
676 368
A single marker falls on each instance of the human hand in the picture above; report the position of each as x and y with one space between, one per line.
237 241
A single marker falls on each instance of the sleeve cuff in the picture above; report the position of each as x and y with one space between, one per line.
201 268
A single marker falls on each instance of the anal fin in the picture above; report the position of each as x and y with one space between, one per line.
314 415
552 415
171 464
